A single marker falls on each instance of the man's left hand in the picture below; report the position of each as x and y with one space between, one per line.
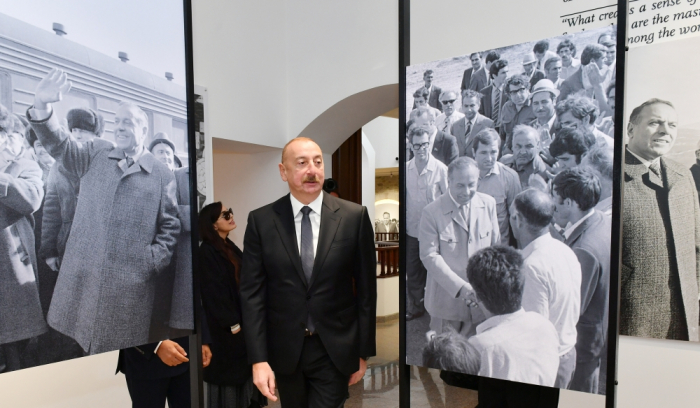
206 355
357 376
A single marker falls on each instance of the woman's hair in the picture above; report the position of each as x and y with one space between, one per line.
207 218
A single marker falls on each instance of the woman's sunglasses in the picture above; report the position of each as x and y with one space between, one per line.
227 215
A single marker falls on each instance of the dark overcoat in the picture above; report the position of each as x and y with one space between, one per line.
124 232
21 192
59 210
181 316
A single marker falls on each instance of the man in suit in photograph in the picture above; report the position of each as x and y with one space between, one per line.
127 217
529 70
660 231
543 97
495 95
450 115
575 193
434 91
471 124
308 288
475 59
452 228
480 78
443 146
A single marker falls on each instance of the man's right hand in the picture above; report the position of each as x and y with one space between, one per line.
51 89
171 353
264 379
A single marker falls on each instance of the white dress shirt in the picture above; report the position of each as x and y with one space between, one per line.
569 229
314 217
552 276
521 346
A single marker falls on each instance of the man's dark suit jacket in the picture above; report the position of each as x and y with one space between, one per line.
486 107
467 78
445 148
572 84
479 80
536 77
341 296
590 241
465 144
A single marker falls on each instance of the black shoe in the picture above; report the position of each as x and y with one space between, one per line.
410 316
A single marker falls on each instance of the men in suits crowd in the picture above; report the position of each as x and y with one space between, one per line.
480 78
470 124
433 91
475 59
442 145
661 231
495 95
308 288
530 71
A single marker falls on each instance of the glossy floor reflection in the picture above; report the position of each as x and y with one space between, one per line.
380 386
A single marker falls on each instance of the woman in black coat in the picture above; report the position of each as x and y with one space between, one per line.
229 376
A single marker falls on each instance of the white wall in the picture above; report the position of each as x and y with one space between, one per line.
388 296
383 134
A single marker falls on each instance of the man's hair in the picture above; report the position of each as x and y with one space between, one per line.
296 139
141 117
535 207
460 163
525 129
634 116
572 141
600 159
551 61
567 44
451 351
517 80
418 112
494 273
387 213
610 34
580 185
470 93
474 53
445 92
608 44
486 136
417 131
541 47
579 106
492 56
427 72
421 93
10 123
591 52
497 66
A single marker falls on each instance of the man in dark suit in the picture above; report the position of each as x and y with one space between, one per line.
475 58
159 371
443 146
494 95
576 192
595 53
480 77
308 288
471 124
433 90
660 231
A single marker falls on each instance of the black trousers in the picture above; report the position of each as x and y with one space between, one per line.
495 393
316 383
153 393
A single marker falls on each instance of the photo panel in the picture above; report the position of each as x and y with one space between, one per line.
509 210
94 178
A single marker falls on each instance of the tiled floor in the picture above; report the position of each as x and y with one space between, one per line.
380 386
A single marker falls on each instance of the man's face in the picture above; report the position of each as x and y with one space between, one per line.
386 218
463 183
543 106
420 102
128 133
82 136
569 121
428 78
610 55
476 62
565 55
611 99
41 154
525 147
655 131
423 121
529 67
486 155
562 209
554 71
164 154
500 79
302 168
518 94
566 161
448 103
470 106
420 147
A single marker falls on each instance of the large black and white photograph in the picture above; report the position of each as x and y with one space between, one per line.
661 180
509 211
94 181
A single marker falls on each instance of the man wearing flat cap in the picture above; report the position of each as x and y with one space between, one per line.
124 230
544 96
530 69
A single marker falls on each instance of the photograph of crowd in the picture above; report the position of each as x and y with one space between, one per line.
95 216
509 210
660 213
